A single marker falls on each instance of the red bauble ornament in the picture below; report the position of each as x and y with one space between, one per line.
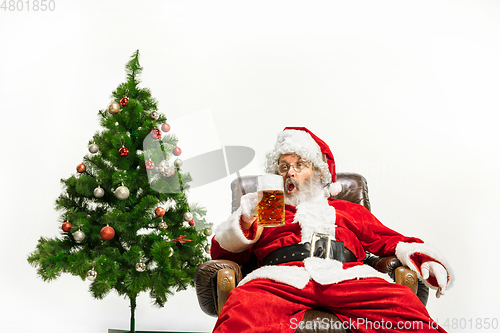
124 101
160 211
177 151
66 226
123 151
149 164
81 168
156 133
107 233
165 127
191 223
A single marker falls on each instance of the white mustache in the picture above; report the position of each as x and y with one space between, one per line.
293 181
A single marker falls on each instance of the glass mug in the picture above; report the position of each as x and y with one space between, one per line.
271 197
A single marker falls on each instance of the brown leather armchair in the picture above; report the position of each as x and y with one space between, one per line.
216 278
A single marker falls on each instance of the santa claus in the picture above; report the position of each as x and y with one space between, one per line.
274 297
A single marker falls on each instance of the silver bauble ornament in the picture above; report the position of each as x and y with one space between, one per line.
78 236
98 192
122 192
114 108
91 275
171 252
178 162
207 232
154 115
188 216
207 249
93 148
162 225
166 168
140 266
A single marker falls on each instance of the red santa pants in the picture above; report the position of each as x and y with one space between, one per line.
365 305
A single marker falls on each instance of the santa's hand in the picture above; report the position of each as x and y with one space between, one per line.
432 268
248 206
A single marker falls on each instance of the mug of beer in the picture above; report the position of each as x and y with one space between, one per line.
271 197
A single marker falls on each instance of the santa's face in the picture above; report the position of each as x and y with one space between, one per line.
293 179
298 185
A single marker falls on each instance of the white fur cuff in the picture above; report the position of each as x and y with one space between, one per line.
404 251
230 236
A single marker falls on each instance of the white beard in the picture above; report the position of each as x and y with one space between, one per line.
309 189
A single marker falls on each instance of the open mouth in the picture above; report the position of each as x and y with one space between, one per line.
290 185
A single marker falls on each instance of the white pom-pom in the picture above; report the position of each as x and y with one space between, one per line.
335 188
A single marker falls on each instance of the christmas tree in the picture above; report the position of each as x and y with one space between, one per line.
126 222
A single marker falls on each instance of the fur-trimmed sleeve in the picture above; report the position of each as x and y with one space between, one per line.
231 241
373 235
414 255
383 241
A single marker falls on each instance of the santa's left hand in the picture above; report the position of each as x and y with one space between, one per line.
432 268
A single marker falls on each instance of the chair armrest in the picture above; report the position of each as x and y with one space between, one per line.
384 264
392 266
406 277
226 282
205 280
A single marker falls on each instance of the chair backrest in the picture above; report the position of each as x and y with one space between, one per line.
354 189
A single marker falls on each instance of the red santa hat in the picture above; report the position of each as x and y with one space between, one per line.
301 141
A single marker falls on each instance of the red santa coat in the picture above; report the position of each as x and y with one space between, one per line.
350 223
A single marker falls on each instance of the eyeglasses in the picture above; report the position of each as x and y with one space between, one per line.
283 168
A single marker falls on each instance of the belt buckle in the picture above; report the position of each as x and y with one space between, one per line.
318 236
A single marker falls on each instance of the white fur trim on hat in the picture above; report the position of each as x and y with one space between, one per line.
300 143
335 188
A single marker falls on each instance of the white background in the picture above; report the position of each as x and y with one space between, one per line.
404 92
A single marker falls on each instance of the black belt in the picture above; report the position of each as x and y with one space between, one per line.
298 252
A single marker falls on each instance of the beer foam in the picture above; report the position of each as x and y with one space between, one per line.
269 182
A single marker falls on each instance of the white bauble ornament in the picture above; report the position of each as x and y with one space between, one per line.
166 168
78 236
122 192
140 267
154 115
91 275
178 162
93 148
98 192
188 216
